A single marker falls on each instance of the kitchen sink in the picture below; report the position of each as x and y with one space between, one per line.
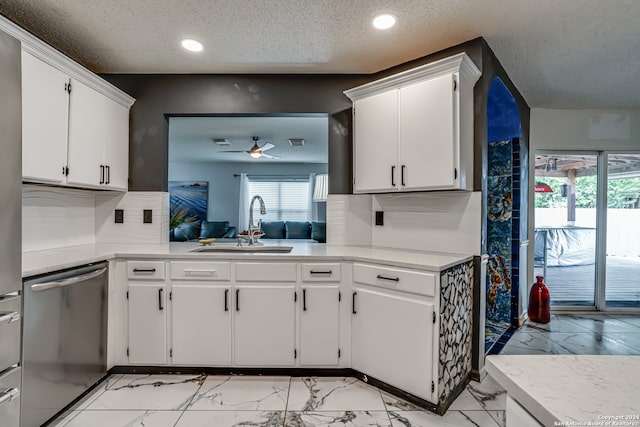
246 248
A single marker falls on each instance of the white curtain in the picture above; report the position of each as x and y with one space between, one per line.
243 203
312 207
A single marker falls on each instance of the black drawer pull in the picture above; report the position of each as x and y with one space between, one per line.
393 279
304 300
329 272
144 270
353 303
160 307
101 174
402 175
393 173
226 300
237 299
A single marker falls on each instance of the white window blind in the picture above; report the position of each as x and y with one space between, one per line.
286 199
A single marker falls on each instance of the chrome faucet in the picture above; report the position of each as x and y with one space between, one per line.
252 227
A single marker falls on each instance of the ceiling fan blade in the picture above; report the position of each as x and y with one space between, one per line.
269 156
267 146
232 151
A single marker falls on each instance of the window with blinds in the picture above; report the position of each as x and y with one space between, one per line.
286 199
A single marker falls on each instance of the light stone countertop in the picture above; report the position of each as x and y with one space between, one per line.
46 261
570 389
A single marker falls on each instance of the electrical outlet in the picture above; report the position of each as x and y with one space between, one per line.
119 216
147 216
379 217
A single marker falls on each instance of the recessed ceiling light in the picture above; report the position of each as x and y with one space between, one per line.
191 45
384 21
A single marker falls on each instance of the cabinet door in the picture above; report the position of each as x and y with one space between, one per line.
264 325
392 340
45 108
319 325
87 129
428 140
376 143
116 146
201 325
147 323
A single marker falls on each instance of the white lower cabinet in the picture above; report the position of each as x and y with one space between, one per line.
392 339
319 325
264 319
147 323
200 325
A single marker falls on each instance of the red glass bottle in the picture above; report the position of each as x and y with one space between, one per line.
539 304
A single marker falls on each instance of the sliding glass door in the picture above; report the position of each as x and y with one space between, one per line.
565 226
587 228
623 231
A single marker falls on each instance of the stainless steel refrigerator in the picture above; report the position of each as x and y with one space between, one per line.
11 235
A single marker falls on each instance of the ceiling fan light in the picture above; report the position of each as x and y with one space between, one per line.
255 154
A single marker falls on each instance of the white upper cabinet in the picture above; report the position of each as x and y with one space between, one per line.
375 156
45 110
75 126
413 131
87 127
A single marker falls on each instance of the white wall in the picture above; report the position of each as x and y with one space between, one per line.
224 188
584 129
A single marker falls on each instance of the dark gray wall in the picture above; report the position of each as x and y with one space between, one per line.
160 95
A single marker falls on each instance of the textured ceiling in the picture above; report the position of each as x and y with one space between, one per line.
559 53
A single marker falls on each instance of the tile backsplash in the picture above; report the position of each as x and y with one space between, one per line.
54 217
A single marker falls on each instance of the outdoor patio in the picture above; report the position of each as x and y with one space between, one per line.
574 285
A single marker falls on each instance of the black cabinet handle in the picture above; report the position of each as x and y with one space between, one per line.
237 299
304 300
393 176
393 279
329 272
160 307
144 270
401 175
353 303
101 174
226 300
108 178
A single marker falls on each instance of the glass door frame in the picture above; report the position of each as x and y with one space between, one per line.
601 233
600 279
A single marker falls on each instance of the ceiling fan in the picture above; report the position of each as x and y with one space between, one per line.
256 151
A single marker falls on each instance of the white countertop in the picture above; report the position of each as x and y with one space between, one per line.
570 389
45 261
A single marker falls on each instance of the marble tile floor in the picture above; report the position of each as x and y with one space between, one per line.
221 401
578 334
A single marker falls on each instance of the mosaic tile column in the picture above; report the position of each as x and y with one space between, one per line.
499 240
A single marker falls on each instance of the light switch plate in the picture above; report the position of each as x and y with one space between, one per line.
147 216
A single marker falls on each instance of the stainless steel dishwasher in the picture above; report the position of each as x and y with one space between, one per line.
64 340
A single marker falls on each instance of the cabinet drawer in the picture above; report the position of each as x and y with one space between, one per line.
417 282
145 270
9 331
266 272
321 272
198 270
10 389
